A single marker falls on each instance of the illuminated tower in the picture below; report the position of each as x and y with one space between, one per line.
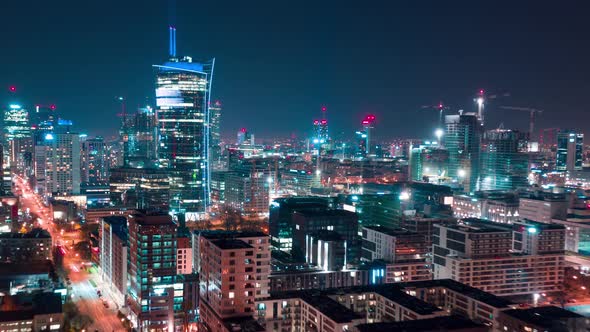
480 101
16 122
462 140
320 129
570 150
215 131
183 90
366 133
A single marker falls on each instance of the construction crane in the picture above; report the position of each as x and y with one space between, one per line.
531 116
440 107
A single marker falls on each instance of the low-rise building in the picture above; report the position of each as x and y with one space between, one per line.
543 207
548 318
34 245
31 312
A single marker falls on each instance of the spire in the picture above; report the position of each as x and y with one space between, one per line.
172 42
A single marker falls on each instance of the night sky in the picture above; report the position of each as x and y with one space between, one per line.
278 62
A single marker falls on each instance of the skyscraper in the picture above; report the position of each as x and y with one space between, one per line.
462 140
155 296
183 89
16 122
504 162
140 138
215 132
62 163
570 150
95 164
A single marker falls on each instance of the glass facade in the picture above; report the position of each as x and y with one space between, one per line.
16 123
462 140
504 163
570 150
182 101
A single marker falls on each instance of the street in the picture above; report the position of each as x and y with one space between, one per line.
82 290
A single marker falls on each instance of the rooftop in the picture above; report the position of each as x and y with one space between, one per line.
332 309
408 301
246 323
475 225
214 235
152 218
458 287
227 244
35 233
540 225
326 213
445 323
326 235
13 269
544 317
390 231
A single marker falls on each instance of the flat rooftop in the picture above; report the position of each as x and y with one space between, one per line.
35 233
228 244
544 317
475 225
213 235
541 225
14 269
445 323
390 231
472 292
332 309
246 323
408 301
326 213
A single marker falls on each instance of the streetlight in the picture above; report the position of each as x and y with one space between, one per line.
439 134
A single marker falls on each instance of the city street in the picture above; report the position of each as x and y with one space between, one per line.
83 292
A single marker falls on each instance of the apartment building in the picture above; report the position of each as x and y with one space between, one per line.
524 258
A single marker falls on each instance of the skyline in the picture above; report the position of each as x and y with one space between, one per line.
300 65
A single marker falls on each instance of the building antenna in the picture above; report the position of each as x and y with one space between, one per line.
172 42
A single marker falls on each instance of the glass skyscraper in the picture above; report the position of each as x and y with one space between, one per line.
504 162
462 140
183 89
215 132
570 150
16 122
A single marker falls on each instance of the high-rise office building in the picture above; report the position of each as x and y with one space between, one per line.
247 187
504 162
570 151
140 188
16 123
60 153
155 295
215 133
183 89
462 140
95 164
428 163
139 131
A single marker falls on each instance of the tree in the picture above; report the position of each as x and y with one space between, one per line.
75 321
231 218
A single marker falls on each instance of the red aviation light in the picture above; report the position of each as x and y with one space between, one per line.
53 107
324 122
324 108
315 122
243 130
12 88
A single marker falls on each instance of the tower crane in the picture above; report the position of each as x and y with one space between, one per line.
440 107
532 113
